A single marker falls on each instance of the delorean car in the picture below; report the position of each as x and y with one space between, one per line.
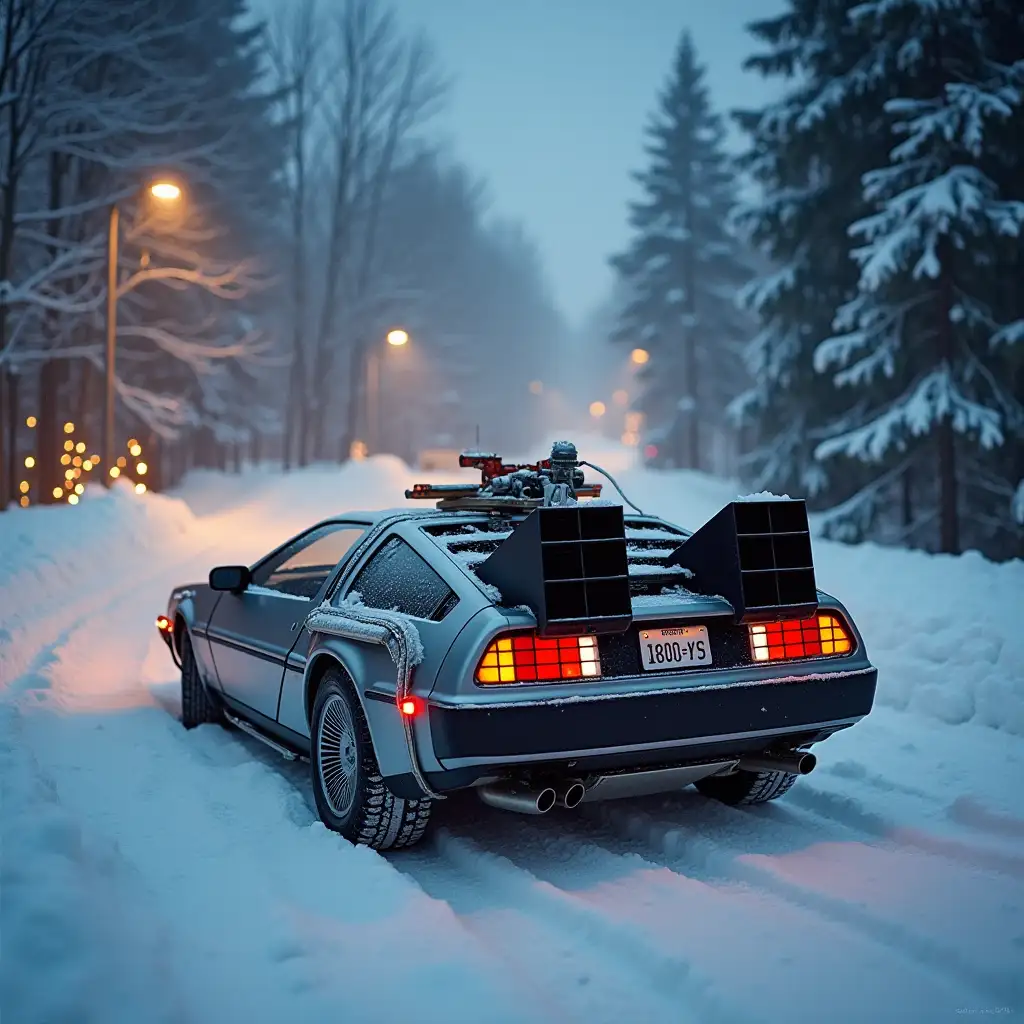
542 653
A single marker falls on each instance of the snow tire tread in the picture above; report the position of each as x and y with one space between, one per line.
742 788
197 707
378 819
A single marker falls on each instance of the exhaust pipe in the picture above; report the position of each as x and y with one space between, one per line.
508 797
795 762
572 794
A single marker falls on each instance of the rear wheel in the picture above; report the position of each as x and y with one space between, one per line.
350 794
743 788
197 706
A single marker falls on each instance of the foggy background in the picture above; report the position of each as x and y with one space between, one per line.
770 241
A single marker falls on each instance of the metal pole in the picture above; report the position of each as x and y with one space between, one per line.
109 396
372 401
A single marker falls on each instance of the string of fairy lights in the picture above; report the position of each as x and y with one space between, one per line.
80 468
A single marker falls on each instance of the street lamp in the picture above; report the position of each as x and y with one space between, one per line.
165 192
396 338
639 356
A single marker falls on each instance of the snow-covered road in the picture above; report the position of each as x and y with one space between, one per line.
151 874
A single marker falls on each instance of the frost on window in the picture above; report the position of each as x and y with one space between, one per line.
398 579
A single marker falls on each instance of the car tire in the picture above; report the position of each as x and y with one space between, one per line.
197 706
350 794
741 788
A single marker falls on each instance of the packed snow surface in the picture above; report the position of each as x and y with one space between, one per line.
153 874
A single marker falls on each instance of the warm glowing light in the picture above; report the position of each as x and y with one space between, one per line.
165 190
132 441
398 338
140 488
527 658
69 474
163 623
80 447
94 459
69 446
69 427
65 459
79 488
620 397
634 421
141 469
69 483
597 409
23 501
122 462
76 473
114 472
29 462
136 450
630 438
57 491
799 638
536 387
409 706
72 499
357 451
87 465
639 356
76 461
30 422
23 487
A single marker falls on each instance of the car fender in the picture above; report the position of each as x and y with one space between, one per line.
189 611
373 676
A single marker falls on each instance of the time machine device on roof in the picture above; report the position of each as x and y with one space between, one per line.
564 561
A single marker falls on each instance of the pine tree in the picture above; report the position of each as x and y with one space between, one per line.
806 155
683 266
916 341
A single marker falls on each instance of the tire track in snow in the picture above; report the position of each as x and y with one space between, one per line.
849 812
657 985
682 850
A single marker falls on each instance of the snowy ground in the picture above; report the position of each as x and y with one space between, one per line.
151 874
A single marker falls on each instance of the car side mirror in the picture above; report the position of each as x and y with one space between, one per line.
233 578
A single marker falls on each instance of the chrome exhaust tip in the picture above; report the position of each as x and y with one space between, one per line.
572 796
520 799
794 762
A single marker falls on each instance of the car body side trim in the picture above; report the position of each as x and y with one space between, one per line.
245 648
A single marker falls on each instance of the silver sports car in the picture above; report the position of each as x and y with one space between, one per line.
541 653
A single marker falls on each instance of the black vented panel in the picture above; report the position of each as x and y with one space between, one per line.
757 555
569 565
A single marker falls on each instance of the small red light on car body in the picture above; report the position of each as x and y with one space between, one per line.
409 706
163 623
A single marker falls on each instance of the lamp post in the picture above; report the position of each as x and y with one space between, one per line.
166 192
396 339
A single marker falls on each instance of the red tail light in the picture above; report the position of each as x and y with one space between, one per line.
799 638
163 623
527 658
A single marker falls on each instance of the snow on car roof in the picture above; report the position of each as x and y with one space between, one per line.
470 539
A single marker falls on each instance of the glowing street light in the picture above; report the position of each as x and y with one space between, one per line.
165 192
597 409
398 338
639 356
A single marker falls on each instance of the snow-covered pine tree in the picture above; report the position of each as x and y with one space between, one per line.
807 152
683 267
916 343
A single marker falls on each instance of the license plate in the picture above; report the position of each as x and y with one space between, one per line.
682 647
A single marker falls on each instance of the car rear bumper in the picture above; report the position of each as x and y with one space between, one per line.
654 725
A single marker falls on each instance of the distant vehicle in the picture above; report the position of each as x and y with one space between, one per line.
523 642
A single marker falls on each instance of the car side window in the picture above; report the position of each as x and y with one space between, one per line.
301 569
396 578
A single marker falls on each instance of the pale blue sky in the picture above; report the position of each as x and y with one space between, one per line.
548 103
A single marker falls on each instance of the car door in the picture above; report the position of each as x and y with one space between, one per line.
251 633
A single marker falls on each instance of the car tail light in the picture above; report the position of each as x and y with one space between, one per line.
799 638
527 658
163 624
